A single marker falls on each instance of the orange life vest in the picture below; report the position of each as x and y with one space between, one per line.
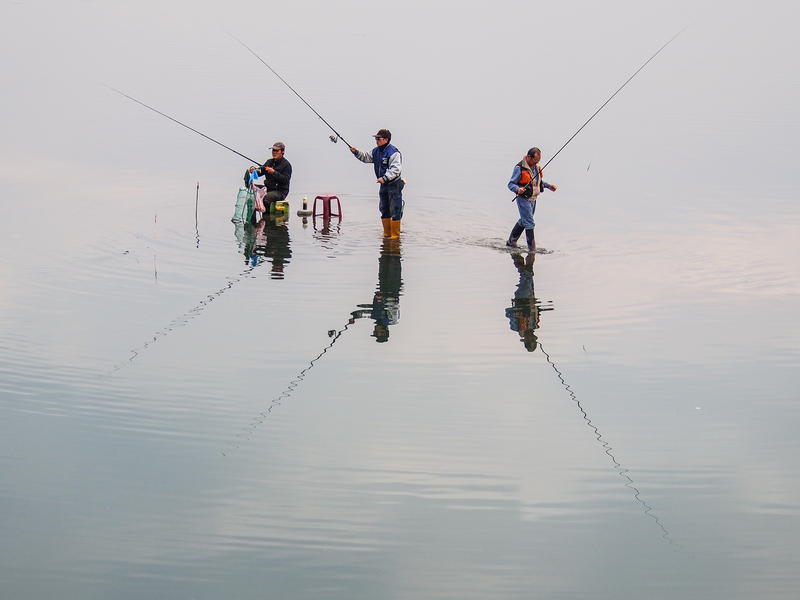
525 177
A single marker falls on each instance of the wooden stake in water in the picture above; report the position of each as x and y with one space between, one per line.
155 270
196 227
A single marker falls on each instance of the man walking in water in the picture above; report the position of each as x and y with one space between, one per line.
388 163
526 182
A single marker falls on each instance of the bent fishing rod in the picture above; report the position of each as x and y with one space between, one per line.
614 94
334 138
183 125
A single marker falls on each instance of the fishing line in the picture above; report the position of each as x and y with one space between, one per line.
614 94
334 138
182 124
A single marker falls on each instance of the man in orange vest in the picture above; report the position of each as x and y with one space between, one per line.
526 183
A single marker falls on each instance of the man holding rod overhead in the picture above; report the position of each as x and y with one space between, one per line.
526 182
388 163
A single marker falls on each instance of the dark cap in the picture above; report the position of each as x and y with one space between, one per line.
278 146
383 133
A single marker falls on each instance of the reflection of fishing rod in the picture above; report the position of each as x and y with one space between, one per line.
614 94
184 125
334 335
334 138
290 388
619 468
184 318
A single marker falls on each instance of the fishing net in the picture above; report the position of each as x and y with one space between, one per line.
245 205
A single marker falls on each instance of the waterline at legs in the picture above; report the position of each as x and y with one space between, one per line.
515 233
531 240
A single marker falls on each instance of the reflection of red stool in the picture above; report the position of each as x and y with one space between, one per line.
326 207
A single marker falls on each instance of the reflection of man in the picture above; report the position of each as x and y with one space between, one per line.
385 307
277 172
523 315
267 239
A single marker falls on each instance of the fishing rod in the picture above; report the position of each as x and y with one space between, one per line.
334 138
183 125
614 94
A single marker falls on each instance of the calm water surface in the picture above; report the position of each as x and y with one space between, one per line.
192 408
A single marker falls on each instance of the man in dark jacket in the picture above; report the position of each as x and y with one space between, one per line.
277 172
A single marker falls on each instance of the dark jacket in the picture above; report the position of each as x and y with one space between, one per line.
279 180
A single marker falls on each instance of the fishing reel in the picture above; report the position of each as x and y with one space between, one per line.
527 191
334 138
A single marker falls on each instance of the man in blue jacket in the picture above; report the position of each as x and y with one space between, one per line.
388 163
527 183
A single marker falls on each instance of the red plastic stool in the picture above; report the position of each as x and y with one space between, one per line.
326 207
